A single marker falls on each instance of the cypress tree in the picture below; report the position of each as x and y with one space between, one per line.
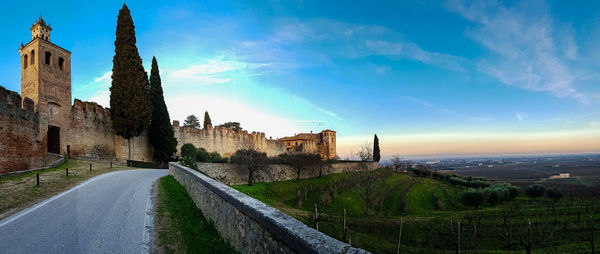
376 152
129 99
207 121
160 131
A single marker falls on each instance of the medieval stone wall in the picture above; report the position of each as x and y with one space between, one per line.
93 136
20 147
249 225
225 141
233 174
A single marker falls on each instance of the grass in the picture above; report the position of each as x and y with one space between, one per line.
20 191
181 227
427 225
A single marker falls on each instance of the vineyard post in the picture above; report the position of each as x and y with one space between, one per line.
399 237
458 242
67 171
316 217
592 233
344 229
299 203
37 179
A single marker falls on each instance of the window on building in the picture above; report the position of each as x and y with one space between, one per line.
61 63
25 62
32 57
48 58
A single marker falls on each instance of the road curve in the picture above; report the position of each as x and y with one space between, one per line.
110 213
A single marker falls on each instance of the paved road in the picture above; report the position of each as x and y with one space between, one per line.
110 213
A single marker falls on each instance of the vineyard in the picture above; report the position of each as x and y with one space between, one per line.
428 215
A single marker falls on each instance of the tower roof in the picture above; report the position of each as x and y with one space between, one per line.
40 22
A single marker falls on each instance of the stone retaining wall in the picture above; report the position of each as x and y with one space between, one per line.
249 225
233 174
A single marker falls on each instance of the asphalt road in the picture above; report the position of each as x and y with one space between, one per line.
110 213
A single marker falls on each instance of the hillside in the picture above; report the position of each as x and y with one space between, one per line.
430 210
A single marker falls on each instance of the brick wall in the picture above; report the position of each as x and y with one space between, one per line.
21 146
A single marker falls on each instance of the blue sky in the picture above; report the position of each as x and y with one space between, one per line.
431 78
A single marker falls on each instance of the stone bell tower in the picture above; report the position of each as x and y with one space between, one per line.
46 79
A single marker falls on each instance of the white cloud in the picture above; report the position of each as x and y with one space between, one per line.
315 107
296 43
412 51
528 50
227 109
104 78
102 98
521 116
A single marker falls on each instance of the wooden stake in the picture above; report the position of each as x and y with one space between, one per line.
458 242
399 237
316 217
344 229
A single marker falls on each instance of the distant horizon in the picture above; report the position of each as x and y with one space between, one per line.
488 156
430 79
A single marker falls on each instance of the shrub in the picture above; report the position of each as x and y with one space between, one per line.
473 198
535 190
478 184
188 150
554 193
202 155
422 171
497 194
189 162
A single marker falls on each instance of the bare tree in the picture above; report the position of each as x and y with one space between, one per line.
303 161
368 178
251 159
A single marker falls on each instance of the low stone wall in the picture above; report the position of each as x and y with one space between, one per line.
249 225
233 174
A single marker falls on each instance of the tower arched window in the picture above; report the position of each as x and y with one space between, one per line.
61 63
32 57
25 62
48 58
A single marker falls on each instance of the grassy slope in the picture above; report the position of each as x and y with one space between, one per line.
181 226
20 191
377 230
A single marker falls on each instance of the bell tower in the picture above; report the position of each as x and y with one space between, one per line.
46 79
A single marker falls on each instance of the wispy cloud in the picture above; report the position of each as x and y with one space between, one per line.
315 107
427 104
310 42
521 116
530 49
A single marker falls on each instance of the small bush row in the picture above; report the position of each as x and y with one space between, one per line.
492 195
201 155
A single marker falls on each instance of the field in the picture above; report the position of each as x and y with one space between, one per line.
429 212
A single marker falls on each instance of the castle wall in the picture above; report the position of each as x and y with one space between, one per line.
93 136
233 174
225 141
21 147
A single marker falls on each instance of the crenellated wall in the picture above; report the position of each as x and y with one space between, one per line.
21 146
225 141
93 136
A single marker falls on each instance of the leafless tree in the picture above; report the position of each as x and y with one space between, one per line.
251 159
368 178
303 161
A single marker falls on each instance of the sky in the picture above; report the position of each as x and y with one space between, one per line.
430 78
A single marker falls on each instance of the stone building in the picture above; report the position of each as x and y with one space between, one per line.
322 143
46 79
41 124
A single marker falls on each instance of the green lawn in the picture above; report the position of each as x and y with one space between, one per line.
429 226
181 227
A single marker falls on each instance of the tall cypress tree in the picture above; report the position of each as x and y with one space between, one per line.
160 131
376 152
129 98
207 121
